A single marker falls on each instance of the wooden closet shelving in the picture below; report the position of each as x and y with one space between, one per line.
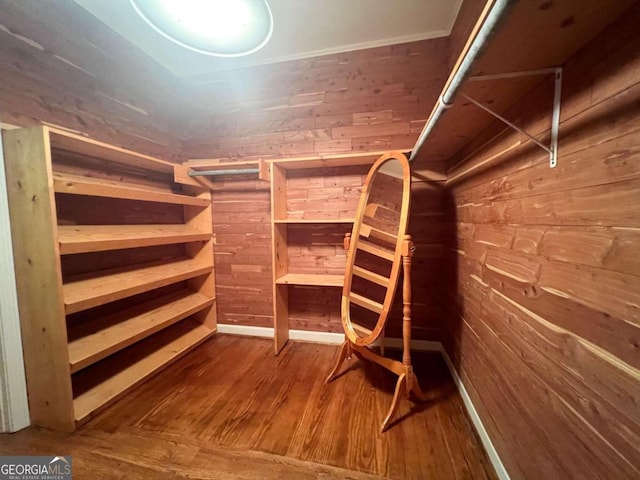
282 221
100 337
119 283
96 238
114 265
108 381
72 184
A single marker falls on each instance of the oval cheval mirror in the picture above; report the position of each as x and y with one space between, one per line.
378 248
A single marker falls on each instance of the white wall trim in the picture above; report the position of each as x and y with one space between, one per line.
475 418
210 77
246 330
14 406
330 338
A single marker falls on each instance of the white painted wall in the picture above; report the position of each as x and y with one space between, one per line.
14 407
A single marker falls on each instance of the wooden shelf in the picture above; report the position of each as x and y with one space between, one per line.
95 238
107 381
111 285
334 160
77 185
316 279
75 143
314 220
74 365
94 340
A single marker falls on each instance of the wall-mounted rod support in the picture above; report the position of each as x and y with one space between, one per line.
459 76
555 118
507 122
213 173
552 149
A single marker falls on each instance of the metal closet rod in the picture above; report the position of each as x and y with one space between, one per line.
203 173
446 99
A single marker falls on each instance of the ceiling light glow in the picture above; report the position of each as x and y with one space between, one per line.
223 28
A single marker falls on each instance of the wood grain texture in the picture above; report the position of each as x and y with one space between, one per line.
242 232
273 420
355 101
61 65
38 276
543 276
532 36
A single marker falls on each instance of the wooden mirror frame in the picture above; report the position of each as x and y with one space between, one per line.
392 283
407 383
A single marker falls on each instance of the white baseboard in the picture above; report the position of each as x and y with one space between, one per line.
245 330
475 418
418 345
330 338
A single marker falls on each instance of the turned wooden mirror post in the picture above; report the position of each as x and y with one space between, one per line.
376 249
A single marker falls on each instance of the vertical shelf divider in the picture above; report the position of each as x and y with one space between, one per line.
39 277
280 257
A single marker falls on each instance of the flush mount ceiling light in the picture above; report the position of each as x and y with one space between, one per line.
222 28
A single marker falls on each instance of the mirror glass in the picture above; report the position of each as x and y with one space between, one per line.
374 253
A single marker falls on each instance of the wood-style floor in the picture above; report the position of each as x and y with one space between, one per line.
231 410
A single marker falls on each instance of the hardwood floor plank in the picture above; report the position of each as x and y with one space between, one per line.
232 410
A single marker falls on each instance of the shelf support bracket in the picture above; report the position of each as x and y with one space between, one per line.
552 149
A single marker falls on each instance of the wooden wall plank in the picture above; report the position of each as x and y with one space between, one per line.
61 65
543 276
318 105
365 100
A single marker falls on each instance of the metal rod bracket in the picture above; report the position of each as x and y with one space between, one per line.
552 149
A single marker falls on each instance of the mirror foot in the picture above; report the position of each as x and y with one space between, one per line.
401 388
345 352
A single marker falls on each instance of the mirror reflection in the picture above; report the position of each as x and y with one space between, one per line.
375 248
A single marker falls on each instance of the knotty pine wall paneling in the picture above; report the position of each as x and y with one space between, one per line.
367 100
544 276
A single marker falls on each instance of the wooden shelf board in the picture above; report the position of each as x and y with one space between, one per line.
334 160
107 381
314 220
75 143
96 238
78 185
317 279
83 293
99 338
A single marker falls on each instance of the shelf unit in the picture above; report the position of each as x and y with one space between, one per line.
282 222
114 267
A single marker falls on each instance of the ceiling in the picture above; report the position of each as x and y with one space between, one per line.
302 29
